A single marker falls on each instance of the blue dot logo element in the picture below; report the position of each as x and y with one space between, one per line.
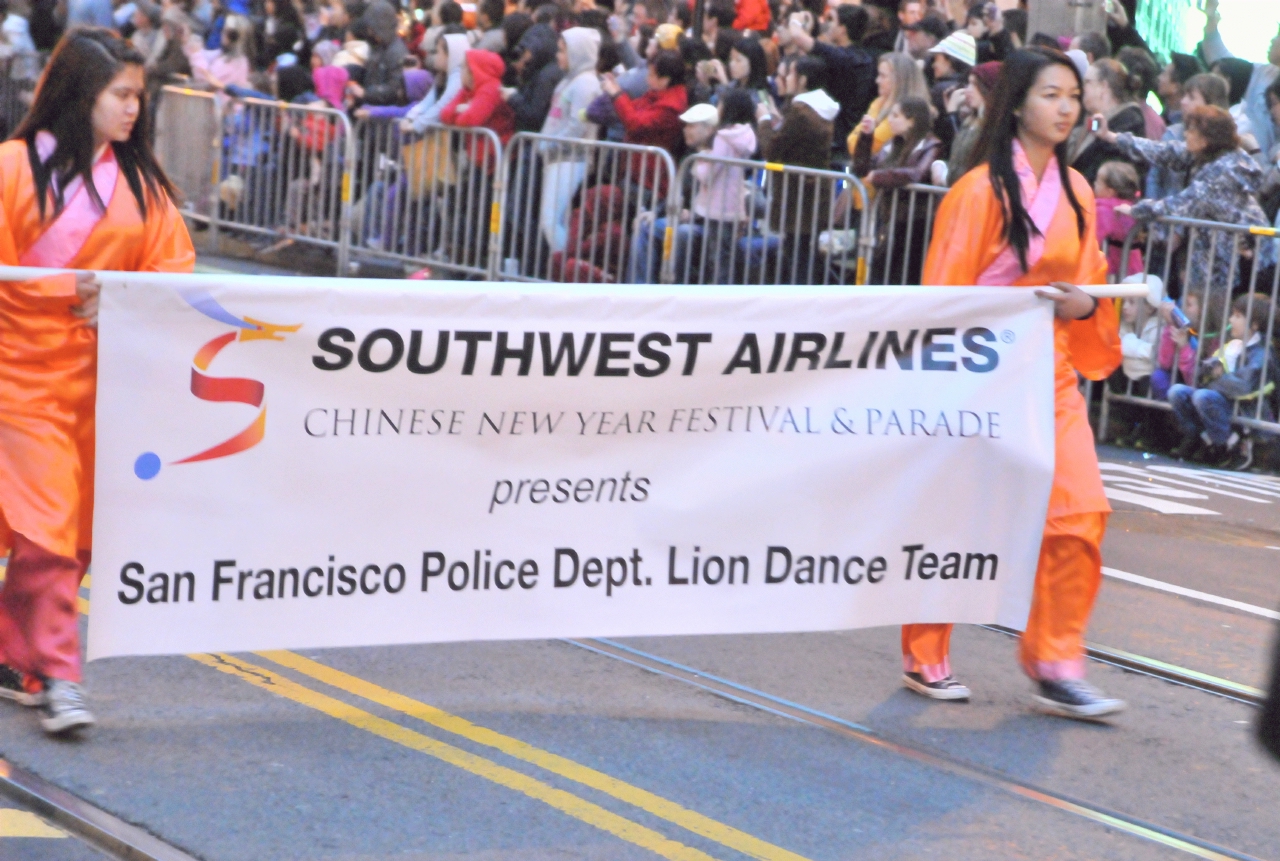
147 466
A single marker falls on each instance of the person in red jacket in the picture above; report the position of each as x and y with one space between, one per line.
752 15
480 103
654 118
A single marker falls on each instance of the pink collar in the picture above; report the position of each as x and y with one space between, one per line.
1041 200
62 240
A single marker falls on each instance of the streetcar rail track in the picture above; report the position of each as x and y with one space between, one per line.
761 701
95 826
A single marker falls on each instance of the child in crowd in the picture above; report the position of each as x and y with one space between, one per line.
1117 184
447 61
718 205
698 130
1138 330
480 102
1233 376
1179 343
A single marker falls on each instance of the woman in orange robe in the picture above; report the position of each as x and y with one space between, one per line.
79 189
1036 230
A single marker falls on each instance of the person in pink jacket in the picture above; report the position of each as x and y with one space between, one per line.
719 209
1204 332
1117 185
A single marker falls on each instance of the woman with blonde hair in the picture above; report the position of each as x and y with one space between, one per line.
897 78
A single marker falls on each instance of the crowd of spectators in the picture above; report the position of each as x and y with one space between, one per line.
890 91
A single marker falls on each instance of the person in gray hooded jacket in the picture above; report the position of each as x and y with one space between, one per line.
564 168
451 52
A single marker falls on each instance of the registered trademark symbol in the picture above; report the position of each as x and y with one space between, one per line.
1007 336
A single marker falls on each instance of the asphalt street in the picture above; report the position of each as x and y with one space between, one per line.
559 750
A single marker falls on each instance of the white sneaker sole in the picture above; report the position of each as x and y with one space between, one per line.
67 722
23 698
1102 708
959 692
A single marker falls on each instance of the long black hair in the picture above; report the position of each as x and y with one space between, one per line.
84 64
758 77
920 113
995 143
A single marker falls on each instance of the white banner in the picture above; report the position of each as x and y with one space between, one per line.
303 463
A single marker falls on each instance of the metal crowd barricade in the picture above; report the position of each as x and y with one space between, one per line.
431 199
188 145
284 171
20 70
583 211
1216 262
900 226
732 221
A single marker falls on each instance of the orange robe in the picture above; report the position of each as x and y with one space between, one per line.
48 358
48 380
967 239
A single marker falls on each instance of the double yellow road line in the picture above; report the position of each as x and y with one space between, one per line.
566 802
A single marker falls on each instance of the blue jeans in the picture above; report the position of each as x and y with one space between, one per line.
1202 410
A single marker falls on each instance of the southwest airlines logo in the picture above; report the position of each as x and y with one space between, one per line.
222 389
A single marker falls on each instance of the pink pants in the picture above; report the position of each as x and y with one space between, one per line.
39 613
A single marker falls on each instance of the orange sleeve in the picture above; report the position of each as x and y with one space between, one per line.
965 234
168 245
1095 342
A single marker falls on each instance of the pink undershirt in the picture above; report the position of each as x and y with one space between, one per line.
1041 201
62 240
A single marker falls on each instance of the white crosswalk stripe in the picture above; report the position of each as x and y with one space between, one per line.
1162 487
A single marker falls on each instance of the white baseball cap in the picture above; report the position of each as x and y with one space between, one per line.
701 113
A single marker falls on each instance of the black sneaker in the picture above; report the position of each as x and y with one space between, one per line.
943 689
20 688
1243 458
1076 698
64 708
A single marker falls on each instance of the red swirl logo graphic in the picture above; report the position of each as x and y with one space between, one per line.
238 390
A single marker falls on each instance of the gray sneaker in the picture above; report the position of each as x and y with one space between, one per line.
17 687
64 708
1076 698
943 689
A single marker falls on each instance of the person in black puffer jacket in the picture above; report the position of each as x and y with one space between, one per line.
538 76
384 70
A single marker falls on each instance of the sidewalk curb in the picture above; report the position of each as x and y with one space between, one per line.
95 826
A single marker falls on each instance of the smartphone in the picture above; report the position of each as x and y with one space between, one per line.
1095 125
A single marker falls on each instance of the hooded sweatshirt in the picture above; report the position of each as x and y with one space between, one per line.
532 100
427 111
575 92
331 84
482 104
720 186
384 70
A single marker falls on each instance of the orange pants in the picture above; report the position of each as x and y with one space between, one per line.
1067 579
39 613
